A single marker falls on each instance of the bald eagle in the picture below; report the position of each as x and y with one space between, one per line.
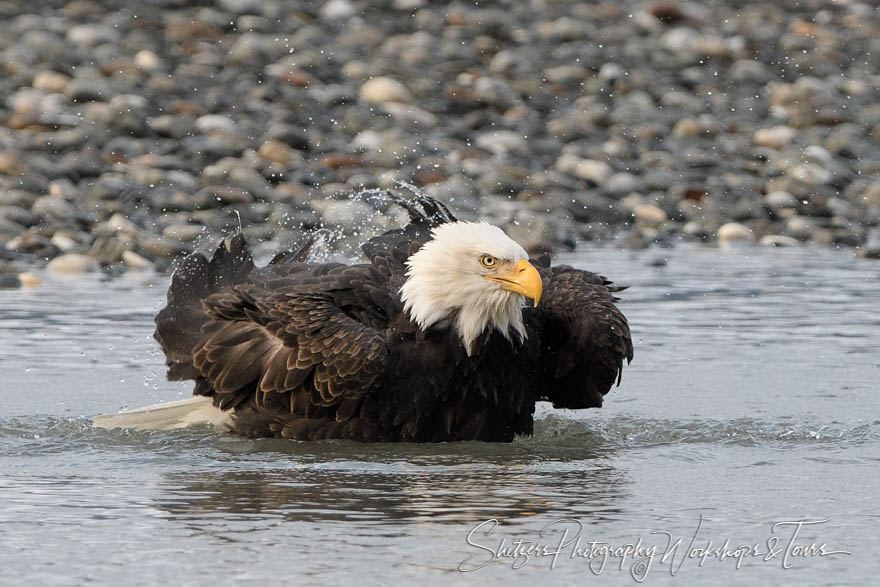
429 340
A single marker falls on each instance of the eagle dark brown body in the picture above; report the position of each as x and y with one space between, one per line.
312 351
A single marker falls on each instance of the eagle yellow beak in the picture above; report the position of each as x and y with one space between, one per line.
524 280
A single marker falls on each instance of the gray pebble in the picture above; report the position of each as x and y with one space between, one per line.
50 207
241 6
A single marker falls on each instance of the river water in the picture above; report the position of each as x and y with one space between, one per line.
752 400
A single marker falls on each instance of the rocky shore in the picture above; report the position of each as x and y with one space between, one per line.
131 133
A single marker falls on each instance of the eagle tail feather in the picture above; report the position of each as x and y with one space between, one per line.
168 416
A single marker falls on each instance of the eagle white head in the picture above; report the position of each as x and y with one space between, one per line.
476 272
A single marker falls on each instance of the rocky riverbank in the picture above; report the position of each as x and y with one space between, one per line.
132 132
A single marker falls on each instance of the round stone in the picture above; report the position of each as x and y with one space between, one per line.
774 138
72 264
384 89
734 232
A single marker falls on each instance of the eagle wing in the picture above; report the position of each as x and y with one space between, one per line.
585 338
292 338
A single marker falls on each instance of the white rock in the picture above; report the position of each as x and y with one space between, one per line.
338 10
774 138
410 113
52 207
734 232
135 262
649 214
819 155
504 61
117 223
622 182
356 70
50 81
611 71
679 39
841 208
128 102
384 89
216 123
72 264
26 100
591 169
147 60
780 199
810 173
800 227
567 162
501 142
778 240
694 228
91 35
614 147
63 241
368 140
687 127
647 21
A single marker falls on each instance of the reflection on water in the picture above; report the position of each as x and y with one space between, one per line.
752 398
388 483
458 496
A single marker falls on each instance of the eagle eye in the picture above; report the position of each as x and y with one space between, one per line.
488 261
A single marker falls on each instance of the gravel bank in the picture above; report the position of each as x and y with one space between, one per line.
132 132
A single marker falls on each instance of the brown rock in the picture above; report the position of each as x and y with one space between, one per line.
297 78
667 12
336 161
278 152
28 280
51 81
10 165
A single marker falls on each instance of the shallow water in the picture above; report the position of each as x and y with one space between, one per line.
753 399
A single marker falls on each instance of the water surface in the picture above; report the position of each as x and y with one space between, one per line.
752 400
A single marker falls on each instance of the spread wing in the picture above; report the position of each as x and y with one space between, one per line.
585 338
292 339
